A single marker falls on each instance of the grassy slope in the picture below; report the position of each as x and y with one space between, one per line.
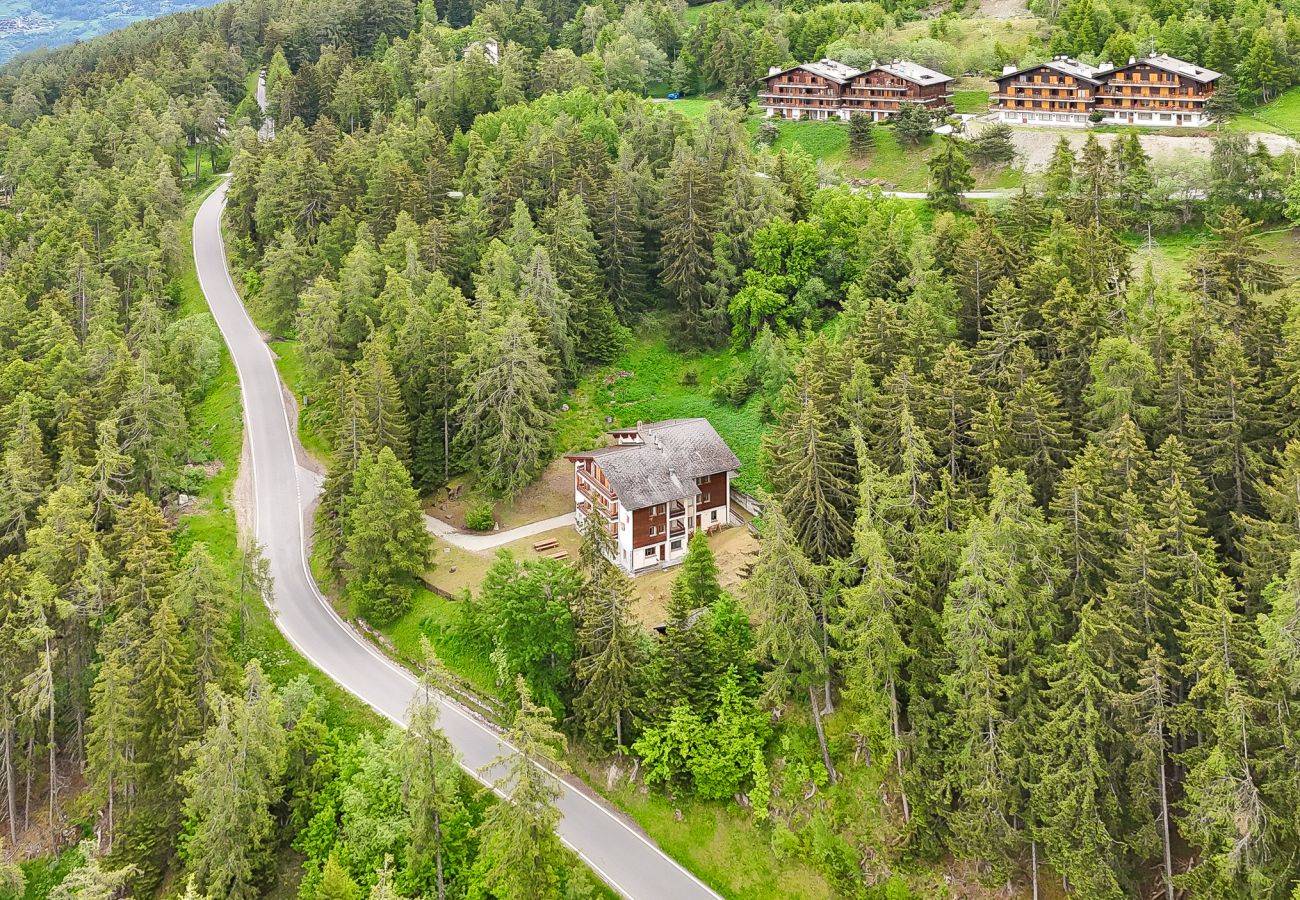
890 163
1281 116
650 382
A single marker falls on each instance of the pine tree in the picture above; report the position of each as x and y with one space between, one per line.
950 176
783 595
861 137
430 788
611 646
388 547
687 224
504 411
1074 798
519 852
234 781
807 462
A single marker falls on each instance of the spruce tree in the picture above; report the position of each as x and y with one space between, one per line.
687 224
231 787
861 138
1074 800
204 604
432 777
784 593
388 548
807 462
872 651
504 410
611 649
519 853
950 176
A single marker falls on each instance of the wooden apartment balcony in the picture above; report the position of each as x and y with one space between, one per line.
1042 94
1151 105
595 494
611 524
1072 106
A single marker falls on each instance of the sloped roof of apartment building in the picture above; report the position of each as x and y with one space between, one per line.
832 69
1062 64
1174 65
915 72
664 465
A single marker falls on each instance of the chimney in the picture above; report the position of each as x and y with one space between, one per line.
772 70
1104 67
1008 69
1132 60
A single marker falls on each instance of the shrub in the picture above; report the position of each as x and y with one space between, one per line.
479 516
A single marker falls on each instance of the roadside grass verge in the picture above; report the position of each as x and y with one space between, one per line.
717 841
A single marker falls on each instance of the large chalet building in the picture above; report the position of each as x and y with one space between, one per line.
653 487
828 89
1156 90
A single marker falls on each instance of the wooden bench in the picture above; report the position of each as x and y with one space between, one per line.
542 546
561 554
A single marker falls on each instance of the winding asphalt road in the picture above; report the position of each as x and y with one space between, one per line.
615 849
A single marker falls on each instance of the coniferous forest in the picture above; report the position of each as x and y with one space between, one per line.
1024 616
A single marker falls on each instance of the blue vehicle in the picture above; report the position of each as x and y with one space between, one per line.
675 95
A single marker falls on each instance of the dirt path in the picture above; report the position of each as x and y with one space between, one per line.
1004 9
1034 145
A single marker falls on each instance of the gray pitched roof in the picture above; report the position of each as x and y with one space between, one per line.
1175 66
1062 64
914 72
832 69
664 466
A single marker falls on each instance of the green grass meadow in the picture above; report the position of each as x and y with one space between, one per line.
1280 116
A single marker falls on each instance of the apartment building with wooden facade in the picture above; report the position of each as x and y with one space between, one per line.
1156 90
655 486
1058 92
829 89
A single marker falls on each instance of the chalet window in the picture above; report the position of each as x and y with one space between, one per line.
704 497
677 545
649 552
654 530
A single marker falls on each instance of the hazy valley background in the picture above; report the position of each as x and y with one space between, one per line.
31 24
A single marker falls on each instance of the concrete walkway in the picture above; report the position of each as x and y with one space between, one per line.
489 540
